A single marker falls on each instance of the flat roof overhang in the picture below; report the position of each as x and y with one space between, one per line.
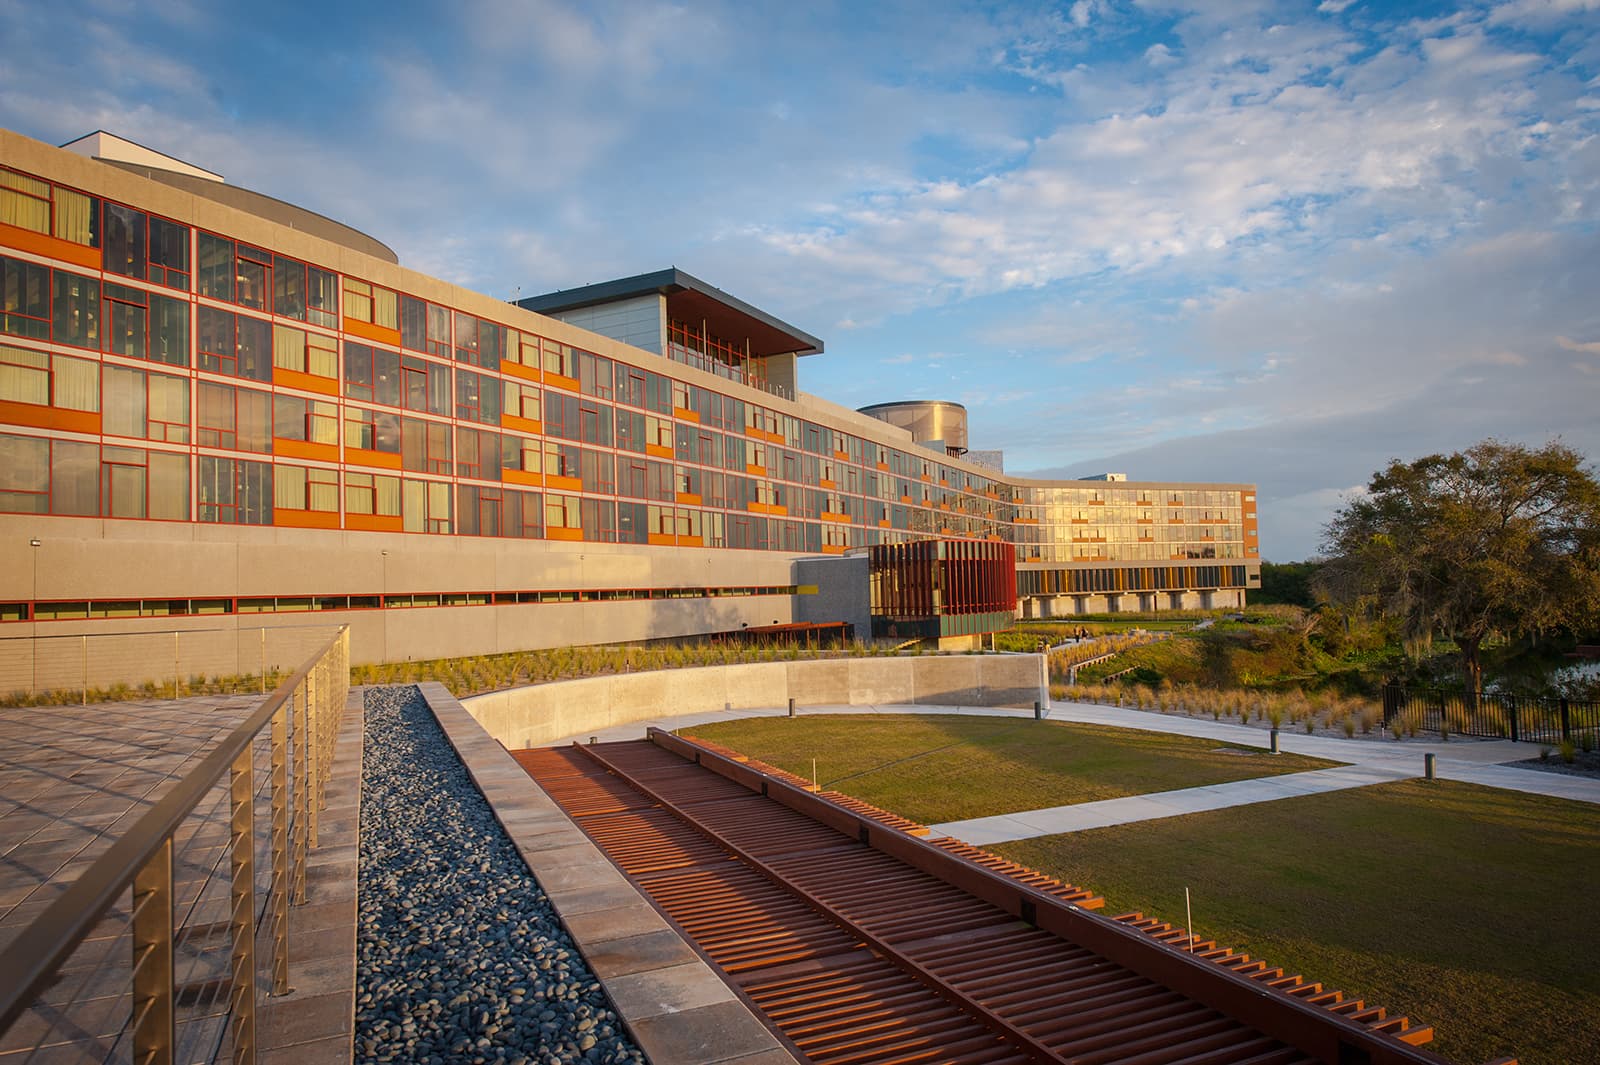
689 300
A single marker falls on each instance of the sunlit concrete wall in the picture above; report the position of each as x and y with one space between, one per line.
543 713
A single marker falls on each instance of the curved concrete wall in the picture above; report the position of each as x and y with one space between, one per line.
543 713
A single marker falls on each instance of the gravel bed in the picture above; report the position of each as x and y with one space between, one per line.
460 957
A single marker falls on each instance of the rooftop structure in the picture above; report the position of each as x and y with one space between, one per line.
672 313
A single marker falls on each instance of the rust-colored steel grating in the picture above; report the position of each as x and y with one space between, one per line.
863 943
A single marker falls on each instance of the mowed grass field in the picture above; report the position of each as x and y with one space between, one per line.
944 767
1470 909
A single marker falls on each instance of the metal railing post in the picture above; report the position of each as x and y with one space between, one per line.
279 892
312 770
153 1032
241 917
297 823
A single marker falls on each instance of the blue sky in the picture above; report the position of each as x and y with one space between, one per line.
1229 240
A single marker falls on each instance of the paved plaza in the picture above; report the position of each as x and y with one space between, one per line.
74 778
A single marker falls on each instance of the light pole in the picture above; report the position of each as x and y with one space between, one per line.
33 607
383 603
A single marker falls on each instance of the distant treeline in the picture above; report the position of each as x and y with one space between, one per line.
1288 583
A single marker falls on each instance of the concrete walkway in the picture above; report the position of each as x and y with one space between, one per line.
1004 828
1370 760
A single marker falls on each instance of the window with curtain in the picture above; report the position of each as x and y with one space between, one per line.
24 201
24 475
74 478
24 376
77 383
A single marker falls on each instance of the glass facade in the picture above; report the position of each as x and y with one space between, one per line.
156 370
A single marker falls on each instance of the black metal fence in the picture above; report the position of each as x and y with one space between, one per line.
1532 719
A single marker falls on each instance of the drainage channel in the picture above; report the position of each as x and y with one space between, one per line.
861 942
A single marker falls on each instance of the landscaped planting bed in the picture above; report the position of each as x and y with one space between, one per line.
459 956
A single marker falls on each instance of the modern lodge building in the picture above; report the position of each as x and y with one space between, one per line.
218 409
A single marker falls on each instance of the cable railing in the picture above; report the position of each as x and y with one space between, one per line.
162 948
52 668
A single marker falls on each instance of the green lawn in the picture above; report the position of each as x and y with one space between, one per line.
943 767
1467 908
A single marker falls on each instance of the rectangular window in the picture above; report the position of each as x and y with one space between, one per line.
169 253
151 406
630 430
594 422
235 491
424 445
371 374
24 472
630 385
239 419
366 302
322 298
558 359
125 231
75 478
477 454
521 400
424 385
289 288
253 280
562 460
25 292
594 375
309 420
126 317
25 376
521 453
75 310
371 493
522 349
303 352
302 488
29 203
214 267
597 468
24 201
49 380
599 521
234 344
371 430
492 511
477 398
424 326
425 506
562 512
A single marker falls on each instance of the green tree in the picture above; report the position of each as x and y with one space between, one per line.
1499 539
1286 582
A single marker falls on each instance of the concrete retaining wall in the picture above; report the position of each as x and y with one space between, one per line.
543 713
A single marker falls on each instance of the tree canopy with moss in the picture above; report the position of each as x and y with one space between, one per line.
1499 539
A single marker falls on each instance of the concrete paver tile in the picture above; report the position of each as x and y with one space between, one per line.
671 989
599 926
636 954
705 1035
